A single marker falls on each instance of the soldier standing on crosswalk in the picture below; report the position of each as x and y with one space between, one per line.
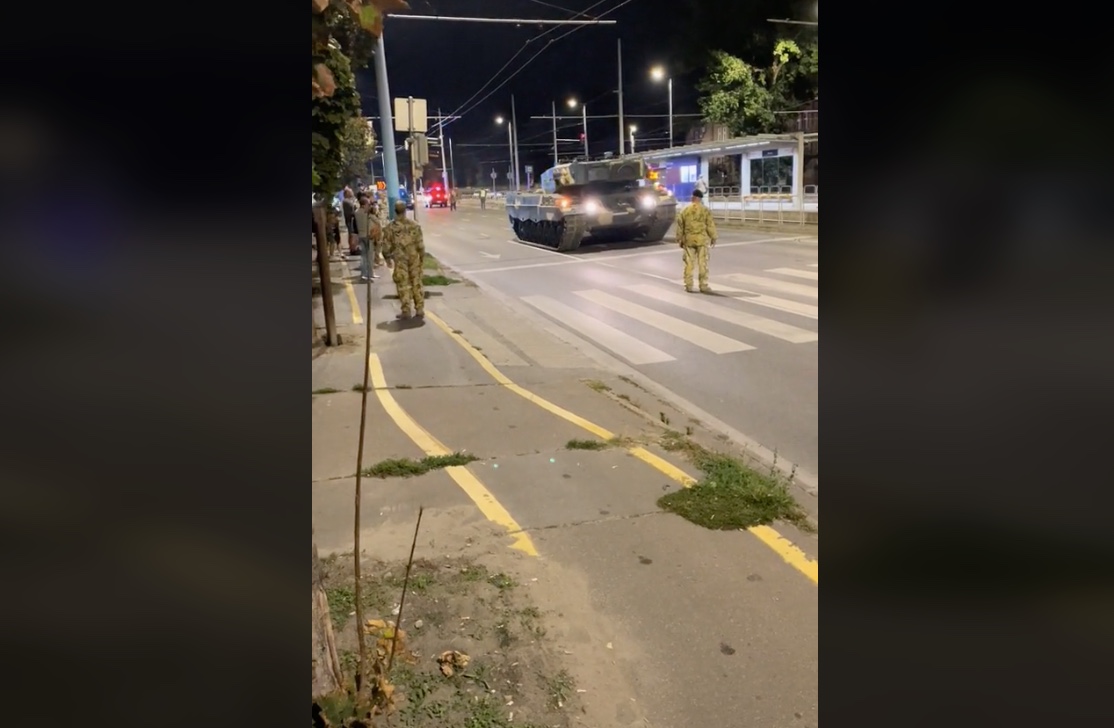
404 246
696 232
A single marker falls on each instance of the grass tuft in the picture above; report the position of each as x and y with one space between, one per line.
731 495
408 468
586 445
438 280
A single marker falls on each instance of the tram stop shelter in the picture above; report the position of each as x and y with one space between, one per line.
771 171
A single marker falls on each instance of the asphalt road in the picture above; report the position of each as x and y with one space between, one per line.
747 354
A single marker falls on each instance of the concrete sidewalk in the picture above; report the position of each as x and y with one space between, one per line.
667 624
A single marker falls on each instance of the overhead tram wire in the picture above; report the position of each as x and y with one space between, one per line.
460 111
495 75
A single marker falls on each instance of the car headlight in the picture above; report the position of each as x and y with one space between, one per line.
591 207
649 203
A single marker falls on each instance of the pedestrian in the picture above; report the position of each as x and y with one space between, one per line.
348 205
367 228
696 232
452 200
483 198
403 245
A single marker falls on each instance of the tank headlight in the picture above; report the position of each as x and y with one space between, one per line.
649 203
591 207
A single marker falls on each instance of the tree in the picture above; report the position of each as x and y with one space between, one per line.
745 97
357 146
337 26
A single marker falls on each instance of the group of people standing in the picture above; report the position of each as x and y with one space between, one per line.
397 244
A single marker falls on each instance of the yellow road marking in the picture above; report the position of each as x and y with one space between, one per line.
356 317
792 555
469 483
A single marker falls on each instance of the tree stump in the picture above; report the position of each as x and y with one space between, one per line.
327 676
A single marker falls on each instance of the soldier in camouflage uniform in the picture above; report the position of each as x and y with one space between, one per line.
404 246
696 232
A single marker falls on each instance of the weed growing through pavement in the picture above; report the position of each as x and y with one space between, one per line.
407 468
585 445
438 280
731 495
560 688
597 385
359 388
326 390
430 263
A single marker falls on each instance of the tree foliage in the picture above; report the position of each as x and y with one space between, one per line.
343 38
745 97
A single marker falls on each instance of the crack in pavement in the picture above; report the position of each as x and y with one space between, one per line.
589 522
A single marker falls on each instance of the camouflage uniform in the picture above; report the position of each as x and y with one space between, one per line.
695 232
403 243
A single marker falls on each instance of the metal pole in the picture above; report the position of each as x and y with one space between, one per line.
441 141
622 129
554 133
514 129
670 113
510 150
413 153
452 165
584 110
386 127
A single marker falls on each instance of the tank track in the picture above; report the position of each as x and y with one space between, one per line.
657 231
563 235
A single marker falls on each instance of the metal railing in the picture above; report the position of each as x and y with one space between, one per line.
765 205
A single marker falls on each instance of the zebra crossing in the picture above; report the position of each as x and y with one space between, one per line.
752 311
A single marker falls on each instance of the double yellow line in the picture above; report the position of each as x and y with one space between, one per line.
487 503
784 548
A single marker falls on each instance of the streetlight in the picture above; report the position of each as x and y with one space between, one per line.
658 74
584 122
633 129
510 144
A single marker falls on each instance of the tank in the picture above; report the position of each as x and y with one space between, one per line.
610 200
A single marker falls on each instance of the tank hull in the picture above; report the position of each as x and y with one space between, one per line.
542 220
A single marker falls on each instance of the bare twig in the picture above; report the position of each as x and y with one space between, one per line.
405 585
362 667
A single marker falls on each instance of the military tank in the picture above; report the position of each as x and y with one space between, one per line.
611 200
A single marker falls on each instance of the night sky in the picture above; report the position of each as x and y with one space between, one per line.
448 63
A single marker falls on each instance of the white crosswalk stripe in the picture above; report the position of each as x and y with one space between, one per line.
706 307
806 274
705 339
772 284
709 322
623 344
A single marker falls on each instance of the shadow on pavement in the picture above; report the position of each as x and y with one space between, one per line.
397 325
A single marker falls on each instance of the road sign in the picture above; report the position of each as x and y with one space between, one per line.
493 174
510 174
411 115
529 169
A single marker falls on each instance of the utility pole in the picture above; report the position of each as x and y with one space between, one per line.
584 121
622 129
554 133
413 156
441 142
452 165
514 147
386 127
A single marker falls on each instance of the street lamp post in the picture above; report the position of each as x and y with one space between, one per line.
584 123
510 142
658 73
633 129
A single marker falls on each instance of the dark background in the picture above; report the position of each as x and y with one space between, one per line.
472 69
154 466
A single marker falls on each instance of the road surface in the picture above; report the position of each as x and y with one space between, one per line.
746 355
